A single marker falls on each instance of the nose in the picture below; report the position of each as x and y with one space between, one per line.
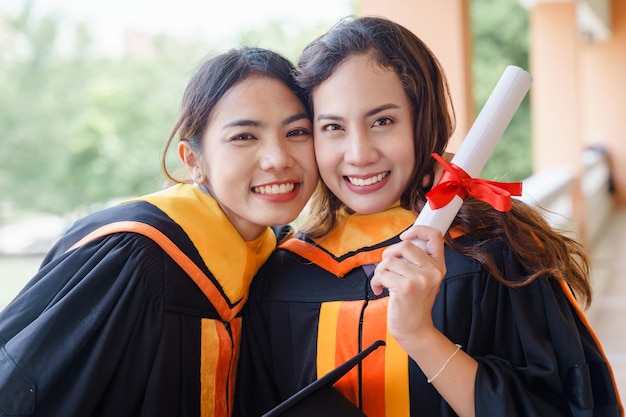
359 149
276 155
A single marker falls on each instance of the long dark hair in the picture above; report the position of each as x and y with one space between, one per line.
213 78
393 47
540 248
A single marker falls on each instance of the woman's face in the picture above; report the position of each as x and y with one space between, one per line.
363 128
257 155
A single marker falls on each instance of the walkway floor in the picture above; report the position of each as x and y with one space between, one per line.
607 313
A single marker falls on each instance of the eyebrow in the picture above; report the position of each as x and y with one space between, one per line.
295 117
328 117
370 113
382 108
240 122
255 123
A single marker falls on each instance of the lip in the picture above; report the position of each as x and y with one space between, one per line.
367 189
278 197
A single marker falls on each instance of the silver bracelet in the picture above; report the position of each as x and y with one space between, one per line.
458 347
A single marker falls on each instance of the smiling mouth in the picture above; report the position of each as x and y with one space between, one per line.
275 188
363 182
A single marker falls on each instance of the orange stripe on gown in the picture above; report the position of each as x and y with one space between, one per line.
218 366
385 371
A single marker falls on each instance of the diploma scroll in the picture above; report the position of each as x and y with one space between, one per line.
480 141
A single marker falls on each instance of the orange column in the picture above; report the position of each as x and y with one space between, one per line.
445 27
555 94
556 112
603 69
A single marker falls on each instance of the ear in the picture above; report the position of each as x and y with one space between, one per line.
191 161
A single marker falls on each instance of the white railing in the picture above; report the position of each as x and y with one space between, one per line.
597 190
553 192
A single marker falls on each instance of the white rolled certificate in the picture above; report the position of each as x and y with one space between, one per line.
480 141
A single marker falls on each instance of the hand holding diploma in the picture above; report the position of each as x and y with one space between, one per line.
412 270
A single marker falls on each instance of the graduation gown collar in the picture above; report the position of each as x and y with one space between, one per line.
354 231
355 241
231 260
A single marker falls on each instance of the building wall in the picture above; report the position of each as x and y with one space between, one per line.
578 95
603 73
555 93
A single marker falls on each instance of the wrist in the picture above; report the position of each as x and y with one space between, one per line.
421 342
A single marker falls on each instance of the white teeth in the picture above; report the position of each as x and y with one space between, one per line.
369 181
275 188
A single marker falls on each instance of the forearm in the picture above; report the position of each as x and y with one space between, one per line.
451 371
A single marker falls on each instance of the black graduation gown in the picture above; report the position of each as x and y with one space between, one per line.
311 308
131 325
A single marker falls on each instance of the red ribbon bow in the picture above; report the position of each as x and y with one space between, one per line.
455 181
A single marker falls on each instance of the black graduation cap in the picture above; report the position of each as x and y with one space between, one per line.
321 398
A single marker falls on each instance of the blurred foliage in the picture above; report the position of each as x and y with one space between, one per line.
79 128
500 31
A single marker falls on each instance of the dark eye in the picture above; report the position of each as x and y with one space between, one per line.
299 132
243 136
383 121
331 127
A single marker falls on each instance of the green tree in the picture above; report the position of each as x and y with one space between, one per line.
77 128
500 38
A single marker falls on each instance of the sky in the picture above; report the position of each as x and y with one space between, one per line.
211 19
214 18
